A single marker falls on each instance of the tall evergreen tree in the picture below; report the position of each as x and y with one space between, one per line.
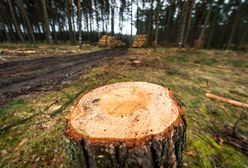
79 22
200 42
46 22
69 18
13 15
26 20
157 24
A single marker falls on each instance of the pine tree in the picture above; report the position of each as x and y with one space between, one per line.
26 20
17 27
46 22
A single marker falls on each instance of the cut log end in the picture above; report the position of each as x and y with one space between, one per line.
136 115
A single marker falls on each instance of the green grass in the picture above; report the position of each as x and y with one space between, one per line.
189 73
237 63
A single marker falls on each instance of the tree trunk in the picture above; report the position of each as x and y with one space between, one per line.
157 25
183 25
200 42
65 27
38 29
79 23
7 33
189 23
5 28
73 25
62 29
68 11
212 29
97 18
53 24
90 20
106 26
17 27
213 25
11 31
112 17
103 25
46 22
26 20
131 19
128 124
40 17
244 35
137 18
234 27
150 23
169 34
87 26
222 33
177 23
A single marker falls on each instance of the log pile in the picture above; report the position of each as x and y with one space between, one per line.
127 124
140 41
110 41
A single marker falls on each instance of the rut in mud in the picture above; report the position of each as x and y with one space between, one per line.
24 76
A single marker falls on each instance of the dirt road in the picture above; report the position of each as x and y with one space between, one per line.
24 76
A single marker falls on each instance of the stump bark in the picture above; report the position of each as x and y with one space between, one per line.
128 124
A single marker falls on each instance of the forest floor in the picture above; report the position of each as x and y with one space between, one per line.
35 122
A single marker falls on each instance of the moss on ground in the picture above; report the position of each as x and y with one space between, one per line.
39 141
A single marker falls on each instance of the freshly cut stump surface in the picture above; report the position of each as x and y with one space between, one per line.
128 124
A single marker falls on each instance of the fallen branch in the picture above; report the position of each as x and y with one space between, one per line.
226 100
22 121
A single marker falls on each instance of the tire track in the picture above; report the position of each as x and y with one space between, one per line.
25 76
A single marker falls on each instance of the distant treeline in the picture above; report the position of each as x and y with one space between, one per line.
182 23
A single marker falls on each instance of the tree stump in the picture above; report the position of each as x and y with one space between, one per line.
127 124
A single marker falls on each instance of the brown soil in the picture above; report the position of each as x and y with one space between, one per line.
24 76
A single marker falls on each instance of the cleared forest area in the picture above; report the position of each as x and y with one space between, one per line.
34 122
54 52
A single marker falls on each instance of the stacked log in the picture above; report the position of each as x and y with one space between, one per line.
110 41
140 41
127 124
